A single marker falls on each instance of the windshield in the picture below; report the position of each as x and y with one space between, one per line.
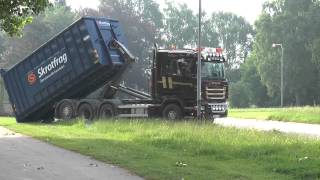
212 70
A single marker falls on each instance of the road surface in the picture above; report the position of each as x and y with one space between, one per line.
285 127
24 158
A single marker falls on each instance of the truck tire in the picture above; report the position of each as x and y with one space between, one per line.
172 112
106 111
85 111
65 110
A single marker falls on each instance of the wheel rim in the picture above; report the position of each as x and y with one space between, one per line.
66 112
172 114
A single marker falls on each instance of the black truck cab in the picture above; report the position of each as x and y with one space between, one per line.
174 75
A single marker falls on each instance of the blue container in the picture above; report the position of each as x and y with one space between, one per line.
72 64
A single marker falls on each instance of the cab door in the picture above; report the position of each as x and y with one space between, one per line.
177 76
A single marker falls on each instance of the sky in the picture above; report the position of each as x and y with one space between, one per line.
249 9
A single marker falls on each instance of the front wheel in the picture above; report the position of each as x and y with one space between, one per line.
172 112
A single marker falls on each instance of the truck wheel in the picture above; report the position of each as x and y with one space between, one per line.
172 112
86 111
106 111
65 110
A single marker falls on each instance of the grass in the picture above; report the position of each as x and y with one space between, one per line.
157 149
294 114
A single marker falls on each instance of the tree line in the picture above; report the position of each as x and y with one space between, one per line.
253 66
295 24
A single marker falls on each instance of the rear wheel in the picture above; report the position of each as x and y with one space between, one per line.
86 112
106 111
172 112
65 110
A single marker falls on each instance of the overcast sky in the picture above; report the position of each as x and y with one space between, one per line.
250 9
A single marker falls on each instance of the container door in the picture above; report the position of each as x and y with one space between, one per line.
106 34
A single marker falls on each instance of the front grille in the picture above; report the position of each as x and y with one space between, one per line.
216 93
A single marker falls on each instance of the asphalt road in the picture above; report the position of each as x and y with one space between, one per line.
285 127
24 158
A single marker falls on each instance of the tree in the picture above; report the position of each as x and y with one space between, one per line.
248 90
181 27
294 24
256 91
14 15
235 35
44 26
238 95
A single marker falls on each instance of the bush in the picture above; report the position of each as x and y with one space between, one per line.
238 95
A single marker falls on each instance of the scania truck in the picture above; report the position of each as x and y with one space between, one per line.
54 81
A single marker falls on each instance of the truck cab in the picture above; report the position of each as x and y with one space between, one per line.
174 76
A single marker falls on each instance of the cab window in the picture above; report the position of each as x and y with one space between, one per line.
183 67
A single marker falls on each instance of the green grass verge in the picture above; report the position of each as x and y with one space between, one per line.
157 149
295 114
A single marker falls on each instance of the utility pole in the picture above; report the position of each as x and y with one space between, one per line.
281 86
199 66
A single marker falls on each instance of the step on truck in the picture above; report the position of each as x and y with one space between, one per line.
91 54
